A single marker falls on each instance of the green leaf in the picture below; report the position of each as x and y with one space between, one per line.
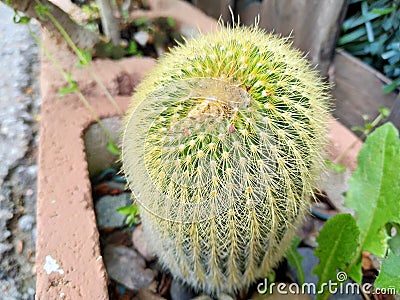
132 48
295 258
128 210
355 271
384 111
141 21
71 88
170 22
391 87
352 36
42 11
389 276
84 57
113 148
337 244
374 188
125 210
382 11
18 19
336 167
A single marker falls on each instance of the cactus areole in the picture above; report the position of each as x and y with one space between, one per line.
222 148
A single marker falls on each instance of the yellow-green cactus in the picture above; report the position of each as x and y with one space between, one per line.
221 149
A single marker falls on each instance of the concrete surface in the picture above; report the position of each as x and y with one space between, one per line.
19 109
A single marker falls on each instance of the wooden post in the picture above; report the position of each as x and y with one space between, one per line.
314 24
216 8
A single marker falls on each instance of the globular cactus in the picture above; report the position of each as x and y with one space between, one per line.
222 147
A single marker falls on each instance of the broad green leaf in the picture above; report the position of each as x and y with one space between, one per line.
295 258
355 271
374 189
389 275
337 244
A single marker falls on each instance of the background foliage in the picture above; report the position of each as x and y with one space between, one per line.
371 32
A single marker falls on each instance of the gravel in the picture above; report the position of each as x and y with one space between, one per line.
19 108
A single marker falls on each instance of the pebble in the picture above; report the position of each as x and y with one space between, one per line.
224 297
141 37
283 296
141 245
145 294
202 297
127 267
106 210
26 222
180 291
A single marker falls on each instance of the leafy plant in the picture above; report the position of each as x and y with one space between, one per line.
372 34
132 214
374 196
84 59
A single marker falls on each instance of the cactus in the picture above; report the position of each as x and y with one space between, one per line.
222 147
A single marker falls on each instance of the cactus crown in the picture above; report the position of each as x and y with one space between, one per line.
222 146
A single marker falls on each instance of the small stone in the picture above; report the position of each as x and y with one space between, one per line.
284 295
127 267
141 37
145 294
31 291
141 245
106 210
202 297
20 246
180 291
5 247
26 222
224 297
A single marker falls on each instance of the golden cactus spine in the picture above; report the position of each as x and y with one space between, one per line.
221 148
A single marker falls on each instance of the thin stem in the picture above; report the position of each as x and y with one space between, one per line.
108 21
82 58
65 75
